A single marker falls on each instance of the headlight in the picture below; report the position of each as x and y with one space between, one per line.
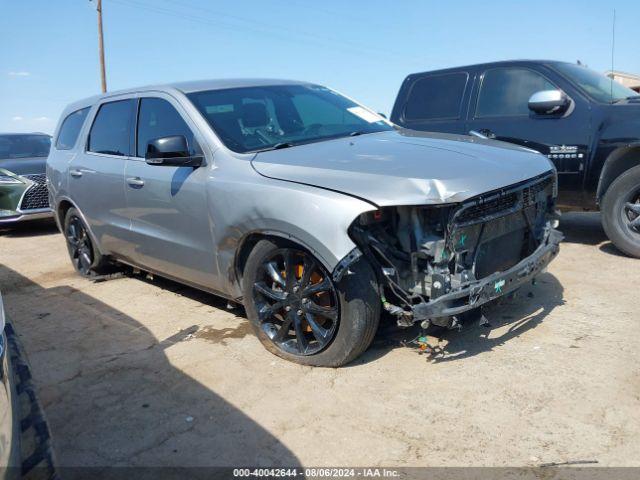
9 180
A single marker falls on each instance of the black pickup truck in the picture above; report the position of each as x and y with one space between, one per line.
585 123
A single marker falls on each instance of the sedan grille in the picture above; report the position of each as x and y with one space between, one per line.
37 195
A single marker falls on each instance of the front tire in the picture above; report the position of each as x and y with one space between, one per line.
621 212
299 313
85 256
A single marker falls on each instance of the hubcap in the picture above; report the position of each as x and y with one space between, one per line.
79 245
296 302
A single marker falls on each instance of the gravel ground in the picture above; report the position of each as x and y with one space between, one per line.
134 371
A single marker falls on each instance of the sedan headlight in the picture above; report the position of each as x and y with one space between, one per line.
9 180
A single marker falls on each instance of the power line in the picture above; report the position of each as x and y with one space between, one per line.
283 33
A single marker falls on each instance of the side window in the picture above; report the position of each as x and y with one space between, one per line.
111 130
157 118
506 91
70 129
436 97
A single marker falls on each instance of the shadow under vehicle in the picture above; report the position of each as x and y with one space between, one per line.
25 441
116 405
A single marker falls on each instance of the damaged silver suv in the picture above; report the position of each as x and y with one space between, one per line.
312 210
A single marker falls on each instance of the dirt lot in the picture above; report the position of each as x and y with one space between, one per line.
140 372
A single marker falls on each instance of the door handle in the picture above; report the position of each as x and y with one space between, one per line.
75 173
135 181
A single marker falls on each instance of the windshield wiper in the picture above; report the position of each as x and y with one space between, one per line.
356 133
277 146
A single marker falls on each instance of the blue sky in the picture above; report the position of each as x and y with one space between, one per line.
363 48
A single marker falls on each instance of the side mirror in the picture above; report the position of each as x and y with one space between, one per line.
171 151
548 102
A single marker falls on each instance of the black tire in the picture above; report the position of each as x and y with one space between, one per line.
85 256
621 212
356 299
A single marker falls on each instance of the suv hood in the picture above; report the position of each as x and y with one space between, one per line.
404 167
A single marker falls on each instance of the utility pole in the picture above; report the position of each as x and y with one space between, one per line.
103 75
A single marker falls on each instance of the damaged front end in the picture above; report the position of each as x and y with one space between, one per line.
435 262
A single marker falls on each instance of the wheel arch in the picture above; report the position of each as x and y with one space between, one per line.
618 162
249 241
60 213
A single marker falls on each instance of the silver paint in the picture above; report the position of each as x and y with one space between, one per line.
189 224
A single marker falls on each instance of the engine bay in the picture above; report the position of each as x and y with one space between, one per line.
423 253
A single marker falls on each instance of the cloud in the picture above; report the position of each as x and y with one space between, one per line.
20 73
42 119
17 118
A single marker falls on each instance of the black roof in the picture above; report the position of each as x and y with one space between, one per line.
491 64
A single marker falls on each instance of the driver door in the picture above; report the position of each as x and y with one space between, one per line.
167 205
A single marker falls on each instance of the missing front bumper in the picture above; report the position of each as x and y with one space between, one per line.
477 293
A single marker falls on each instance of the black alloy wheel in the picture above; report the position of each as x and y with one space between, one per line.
631 212
620 208
79 244
296 302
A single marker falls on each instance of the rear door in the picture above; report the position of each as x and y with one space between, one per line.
499 109
96 174
168 207
433 102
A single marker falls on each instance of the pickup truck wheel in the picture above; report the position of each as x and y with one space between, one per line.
621 212
300 314
85 256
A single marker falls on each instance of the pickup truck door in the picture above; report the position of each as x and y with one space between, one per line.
167 205
499 109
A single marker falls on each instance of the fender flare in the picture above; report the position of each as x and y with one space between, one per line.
618 161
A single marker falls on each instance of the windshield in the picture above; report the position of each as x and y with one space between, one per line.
24 146
599 87
262 118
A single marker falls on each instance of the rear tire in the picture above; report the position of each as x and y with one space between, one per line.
621 212
272 304
85 256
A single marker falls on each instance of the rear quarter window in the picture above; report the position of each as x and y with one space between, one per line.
436 97
70 129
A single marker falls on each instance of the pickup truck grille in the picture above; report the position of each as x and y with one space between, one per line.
37 195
